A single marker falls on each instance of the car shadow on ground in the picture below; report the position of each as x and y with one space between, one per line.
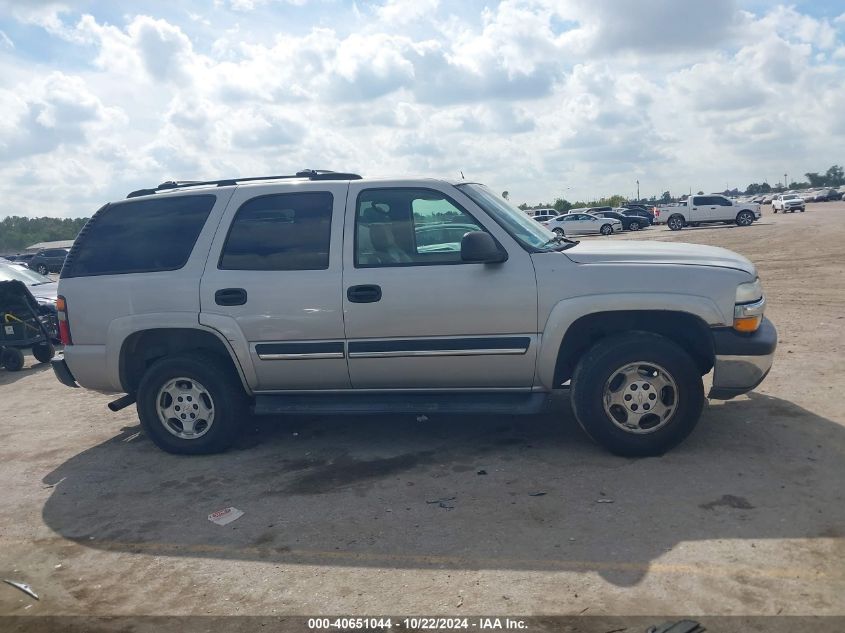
469 493
30 368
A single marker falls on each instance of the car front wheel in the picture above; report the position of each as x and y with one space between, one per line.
191 404
637 394
634 226
559 231
606 229
42 269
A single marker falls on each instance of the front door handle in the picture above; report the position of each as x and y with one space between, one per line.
230 297
367 293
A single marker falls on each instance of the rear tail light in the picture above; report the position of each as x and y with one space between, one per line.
64 325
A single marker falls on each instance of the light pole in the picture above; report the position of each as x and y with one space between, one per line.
638 190
785 182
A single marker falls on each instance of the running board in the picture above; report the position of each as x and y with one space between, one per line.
379 403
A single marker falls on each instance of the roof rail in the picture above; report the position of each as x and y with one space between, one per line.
310 174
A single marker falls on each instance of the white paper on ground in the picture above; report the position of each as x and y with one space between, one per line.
225 516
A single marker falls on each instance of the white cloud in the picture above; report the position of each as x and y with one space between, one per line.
540 97
56 111
5 41
405 11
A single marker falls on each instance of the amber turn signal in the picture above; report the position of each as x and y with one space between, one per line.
747 324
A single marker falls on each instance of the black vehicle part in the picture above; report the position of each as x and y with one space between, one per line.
11 358
681 626
310 174
122 402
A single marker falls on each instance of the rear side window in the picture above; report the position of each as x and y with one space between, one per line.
139 236
288 231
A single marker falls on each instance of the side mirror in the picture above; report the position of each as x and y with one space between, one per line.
478 247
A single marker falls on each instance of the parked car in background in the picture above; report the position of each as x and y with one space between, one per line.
583 224
597 209
21 258
49 260
767 199
545 217
791 202
808 196
441 236
629 222
707 210
548 211
44 289
645 214
826 195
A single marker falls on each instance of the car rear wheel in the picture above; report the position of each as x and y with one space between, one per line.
43 352
675 223
606 229
191 404
634 226
42 269
744 218
559 231
637 394
12 359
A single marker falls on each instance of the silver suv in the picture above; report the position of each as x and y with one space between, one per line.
326 293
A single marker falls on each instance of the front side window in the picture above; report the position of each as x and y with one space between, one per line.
139 236
286 231
405 227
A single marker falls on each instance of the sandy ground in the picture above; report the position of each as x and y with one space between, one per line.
391 515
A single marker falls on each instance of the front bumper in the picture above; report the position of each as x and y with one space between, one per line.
62 371
742 360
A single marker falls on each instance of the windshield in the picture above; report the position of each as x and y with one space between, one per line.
521 227
29 277
791 197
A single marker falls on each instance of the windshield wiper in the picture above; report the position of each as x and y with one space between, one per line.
564 241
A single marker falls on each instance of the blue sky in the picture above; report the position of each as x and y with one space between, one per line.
544 98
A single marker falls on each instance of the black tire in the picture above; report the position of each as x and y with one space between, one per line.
41 269
559 231
744 218
606 229
43 352
221 383
675 223
596 368
634 226
12 359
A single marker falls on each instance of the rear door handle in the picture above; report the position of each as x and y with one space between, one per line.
230 297
367 293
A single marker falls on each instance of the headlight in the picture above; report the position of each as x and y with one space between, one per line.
748 292
749 308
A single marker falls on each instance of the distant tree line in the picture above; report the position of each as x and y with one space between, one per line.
16 233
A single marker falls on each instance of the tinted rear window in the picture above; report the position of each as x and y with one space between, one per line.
287 231
139 236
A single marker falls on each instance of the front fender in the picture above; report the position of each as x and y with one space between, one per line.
567 311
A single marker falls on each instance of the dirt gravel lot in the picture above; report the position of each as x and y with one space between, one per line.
391 515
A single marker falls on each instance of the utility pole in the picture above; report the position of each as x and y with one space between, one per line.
638 190
785 182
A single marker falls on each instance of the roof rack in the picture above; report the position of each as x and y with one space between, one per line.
310 174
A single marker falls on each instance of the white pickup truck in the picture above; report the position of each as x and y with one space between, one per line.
707 209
